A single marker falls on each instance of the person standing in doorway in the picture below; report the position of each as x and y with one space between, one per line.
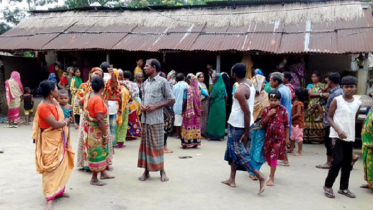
342 116
138 69
239 123
276 82
210 71
178 92
157 94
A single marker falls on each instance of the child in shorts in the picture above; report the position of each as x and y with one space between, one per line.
276 121
28 105
297 116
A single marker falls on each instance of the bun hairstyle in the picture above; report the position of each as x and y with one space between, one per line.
46 87
97 83
274 94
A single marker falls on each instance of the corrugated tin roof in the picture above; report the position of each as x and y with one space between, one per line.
337 37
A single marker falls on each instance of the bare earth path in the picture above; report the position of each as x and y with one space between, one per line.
194 182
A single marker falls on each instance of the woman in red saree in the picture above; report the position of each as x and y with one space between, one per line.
14 92
54 157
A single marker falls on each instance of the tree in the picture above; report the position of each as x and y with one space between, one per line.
13 16
72 4
4 27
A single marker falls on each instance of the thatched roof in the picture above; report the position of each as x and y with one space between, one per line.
333 27
239 17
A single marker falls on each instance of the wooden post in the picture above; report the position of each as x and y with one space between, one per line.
108 57
218 62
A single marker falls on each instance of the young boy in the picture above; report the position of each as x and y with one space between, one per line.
275 119
28 102
63 84
341 117
63 99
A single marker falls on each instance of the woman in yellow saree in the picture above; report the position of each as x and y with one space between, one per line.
54 157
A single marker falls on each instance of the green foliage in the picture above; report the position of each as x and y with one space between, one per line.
13 16
145 3
4 27
71 4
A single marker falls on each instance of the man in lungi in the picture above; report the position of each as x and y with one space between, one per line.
157 94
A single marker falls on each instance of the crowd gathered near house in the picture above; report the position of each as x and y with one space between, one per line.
267 119
273 77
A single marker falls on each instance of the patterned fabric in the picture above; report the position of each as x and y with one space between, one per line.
132 88
14 92
297 71
98 154
156 90
113 128
151 147
190 130
367 150
134 127
123 119
217 114
169 118
74 91
53 158
52 77
337 91
312 128
171 77
274 145
237 152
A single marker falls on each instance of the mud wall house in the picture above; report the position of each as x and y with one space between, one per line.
323 34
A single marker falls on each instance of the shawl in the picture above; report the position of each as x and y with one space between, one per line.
218 90
86 87
112 89
132 87
171 77
52 77
78 81
261 100
193 106
14 87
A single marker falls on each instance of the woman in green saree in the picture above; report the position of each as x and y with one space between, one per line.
216 121
367 150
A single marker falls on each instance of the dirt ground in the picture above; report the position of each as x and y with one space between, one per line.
194 183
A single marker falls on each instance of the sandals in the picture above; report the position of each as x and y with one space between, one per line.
347 193
329 192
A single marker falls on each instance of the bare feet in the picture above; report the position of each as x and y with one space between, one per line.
49 205
97 182
166 150
109 168
318 119
298 154
365 186
230 183
104 175
263 185
64 195
253 177
271 182
145 176
164 178
283 163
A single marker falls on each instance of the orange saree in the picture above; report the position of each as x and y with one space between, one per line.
53 158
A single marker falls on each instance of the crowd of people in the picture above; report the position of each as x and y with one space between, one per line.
268 119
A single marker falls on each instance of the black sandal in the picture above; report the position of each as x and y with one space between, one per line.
329 192
347 193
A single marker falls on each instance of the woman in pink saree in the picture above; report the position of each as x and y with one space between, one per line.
14 92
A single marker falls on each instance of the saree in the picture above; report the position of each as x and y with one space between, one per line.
98 154
123 119
53 159
134 127
190 129
216 120
14 91
74 90
84 89
314 131
171 77
367 149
